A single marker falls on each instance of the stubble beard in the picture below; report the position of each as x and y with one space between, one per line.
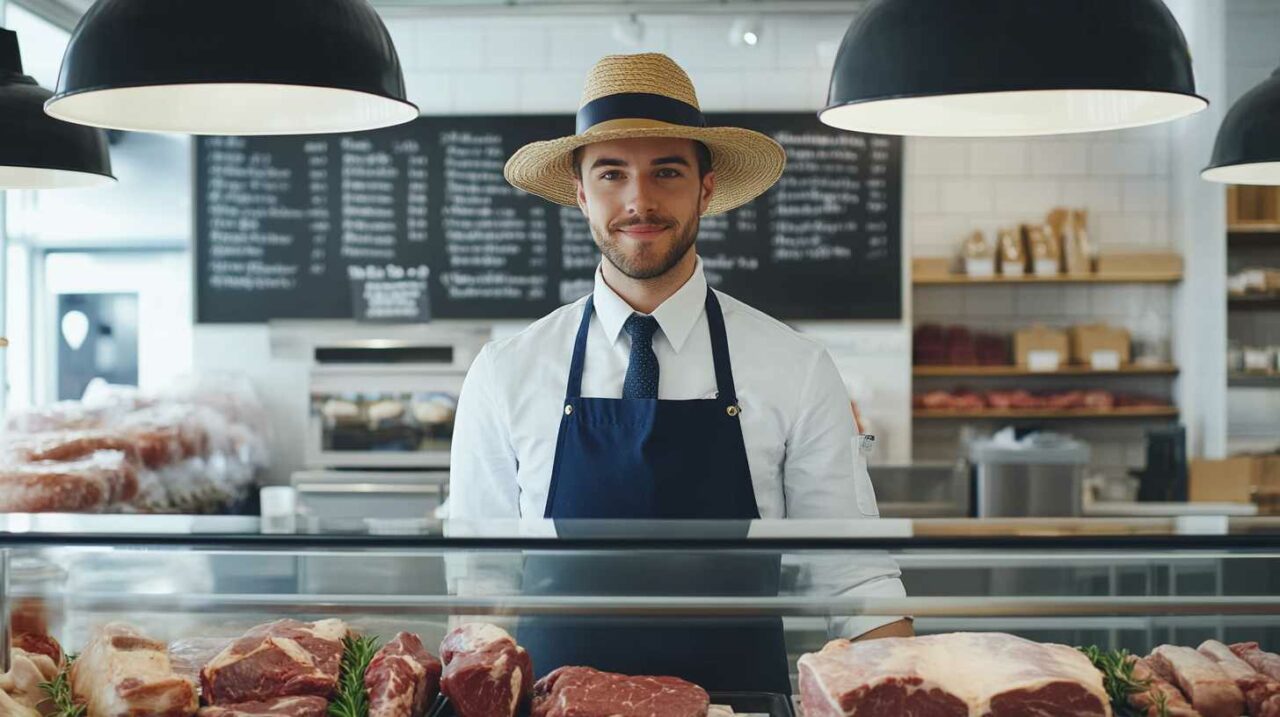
649 262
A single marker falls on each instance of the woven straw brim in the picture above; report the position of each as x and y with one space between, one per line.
746 163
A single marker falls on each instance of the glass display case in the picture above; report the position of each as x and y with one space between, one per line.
1128 584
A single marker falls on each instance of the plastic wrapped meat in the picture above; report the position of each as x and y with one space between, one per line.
122 673
84 486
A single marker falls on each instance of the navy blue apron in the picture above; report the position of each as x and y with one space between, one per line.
651 459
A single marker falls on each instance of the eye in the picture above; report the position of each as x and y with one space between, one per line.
611 175
668 173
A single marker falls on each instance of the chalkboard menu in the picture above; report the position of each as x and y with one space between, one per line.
416 222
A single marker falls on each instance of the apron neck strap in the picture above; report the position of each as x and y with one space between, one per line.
580 351
719 350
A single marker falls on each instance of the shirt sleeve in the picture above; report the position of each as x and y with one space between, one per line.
823 476
482 462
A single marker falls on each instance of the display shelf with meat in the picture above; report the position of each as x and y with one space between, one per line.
285 658
193 448
1020 403
486 674
954 674
122 672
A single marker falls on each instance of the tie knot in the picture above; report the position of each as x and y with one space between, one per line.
640 328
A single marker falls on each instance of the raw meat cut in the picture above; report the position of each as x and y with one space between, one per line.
486 674
1268 663
1261 693
1206 686
955 674
123 673
282 707
1160 689
586 692
402 679
20 692
284 658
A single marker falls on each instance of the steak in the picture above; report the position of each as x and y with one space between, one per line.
402 679
586 692
1261 693
285 658
1268 663
486 674
281 707
951 675
1159 690
1209 689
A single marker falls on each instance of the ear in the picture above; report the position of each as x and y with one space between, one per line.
582 194
708 191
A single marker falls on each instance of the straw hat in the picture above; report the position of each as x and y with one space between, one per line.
648 95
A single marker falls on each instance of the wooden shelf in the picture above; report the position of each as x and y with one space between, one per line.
1253 380
1005 414
1254 228
1253 301
1018 371
963 280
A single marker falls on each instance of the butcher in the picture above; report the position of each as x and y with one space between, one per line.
656 397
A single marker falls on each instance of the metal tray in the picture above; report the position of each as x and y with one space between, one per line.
743 703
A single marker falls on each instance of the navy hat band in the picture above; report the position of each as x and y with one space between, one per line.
639 105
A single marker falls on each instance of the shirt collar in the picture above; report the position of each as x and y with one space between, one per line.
676 316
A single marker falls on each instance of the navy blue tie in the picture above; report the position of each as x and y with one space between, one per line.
642 369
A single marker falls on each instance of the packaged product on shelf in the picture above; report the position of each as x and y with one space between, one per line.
979 256
1044 249
1103 347
1011 253
1040 348
1077 250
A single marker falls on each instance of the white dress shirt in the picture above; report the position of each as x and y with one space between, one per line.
796 420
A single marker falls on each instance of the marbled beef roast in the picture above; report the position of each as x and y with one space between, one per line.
951 675
587 692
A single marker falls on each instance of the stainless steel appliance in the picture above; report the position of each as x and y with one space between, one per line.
1041 475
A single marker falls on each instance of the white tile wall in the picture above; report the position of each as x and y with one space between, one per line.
481 65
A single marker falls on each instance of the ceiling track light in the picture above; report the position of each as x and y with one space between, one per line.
1010 68
232 67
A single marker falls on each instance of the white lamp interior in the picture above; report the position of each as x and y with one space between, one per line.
38 178
232 109
1004 114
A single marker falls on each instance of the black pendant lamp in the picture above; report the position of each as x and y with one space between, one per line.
37 151
988 68
234 67
1247 150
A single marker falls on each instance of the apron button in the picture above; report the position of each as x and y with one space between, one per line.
733 410
568 410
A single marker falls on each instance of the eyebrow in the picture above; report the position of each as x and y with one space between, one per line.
614 162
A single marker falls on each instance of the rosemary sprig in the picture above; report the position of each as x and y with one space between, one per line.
351 700
59 692
1119 682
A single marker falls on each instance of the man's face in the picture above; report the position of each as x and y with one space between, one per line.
642 198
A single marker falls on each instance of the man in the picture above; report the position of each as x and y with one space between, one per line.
655 397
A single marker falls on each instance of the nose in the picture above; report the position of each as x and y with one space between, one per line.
642 199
